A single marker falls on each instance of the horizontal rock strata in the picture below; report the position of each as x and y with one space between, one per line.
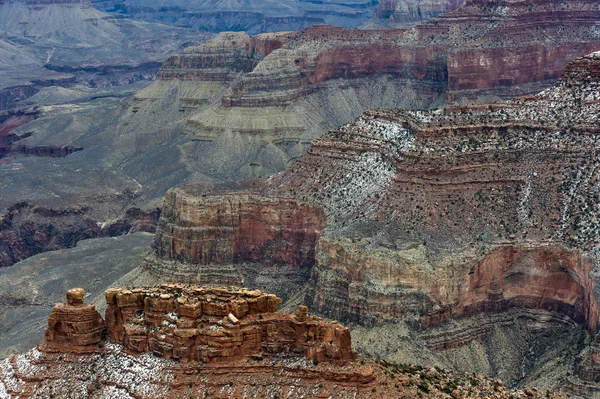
201 324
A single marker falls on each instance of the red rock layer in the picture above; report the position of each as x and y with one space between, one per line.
201 324
481 50
74 327
233 227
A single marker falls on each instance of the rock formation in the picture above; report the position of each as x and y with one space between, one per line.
180 341
207 325
74 327
437 216
236 237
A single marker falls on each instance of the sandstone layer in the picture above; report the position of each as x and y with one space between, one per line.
236 237
74 326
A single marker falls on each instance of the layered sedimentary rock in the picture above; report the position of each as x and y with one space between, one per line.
74 327
203 324
236 237
198 341
252 106
403 13
476 177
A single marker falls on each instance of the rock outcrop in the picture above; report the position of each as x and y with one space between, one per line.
208 325
176 341
27 230
230 236
74 327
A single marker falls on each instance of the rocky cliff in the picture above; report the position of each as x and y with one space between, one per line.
202 235
435 218
195 341
268 97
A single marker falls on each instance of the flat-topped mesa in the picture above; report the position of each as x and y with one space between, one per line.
74 327
191 323
226 227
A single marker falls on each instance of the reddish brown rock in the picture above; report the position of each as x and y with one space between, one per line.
192 323
235 227
74 327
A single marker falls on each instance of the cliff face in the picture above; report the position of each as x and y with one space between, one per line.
26 229
237 227
252 106
236 237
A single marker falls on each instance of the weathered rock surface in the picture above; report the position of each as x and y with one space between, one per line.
27 230
117 374
74 327
33 286
210 325
47 43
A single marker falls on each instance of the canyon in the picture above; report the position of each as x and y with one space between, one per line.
434 219
241 107
467 234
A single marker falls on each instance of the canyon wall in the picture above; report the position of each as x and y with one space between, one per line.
250 107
